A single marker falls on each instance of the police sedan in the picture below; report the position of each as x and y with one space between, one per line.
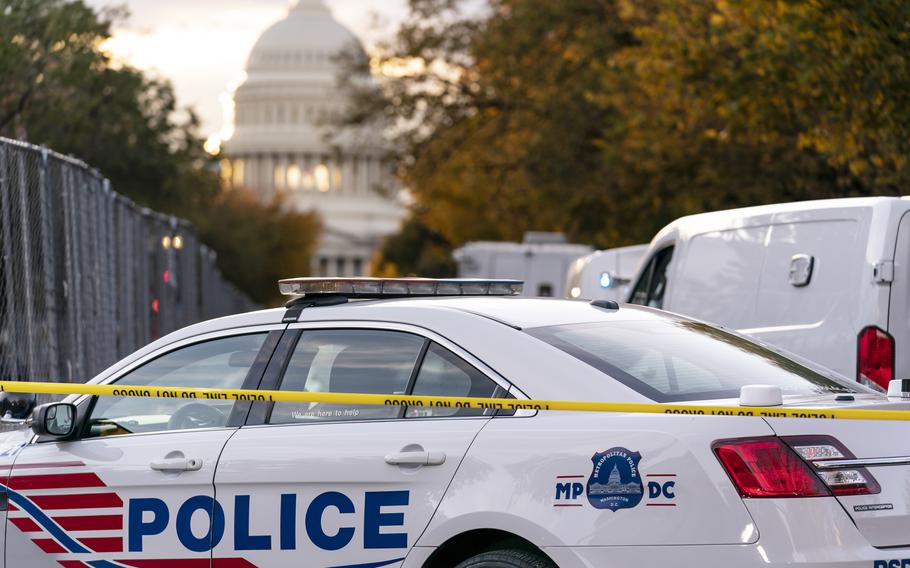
126 481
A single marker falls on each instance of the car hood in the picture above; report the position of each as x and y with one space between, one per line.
12 441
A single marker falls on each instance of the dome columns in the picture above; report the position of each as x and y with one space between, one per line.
306 172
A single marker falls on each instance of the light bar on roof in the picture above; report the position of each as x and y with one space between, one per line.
399 287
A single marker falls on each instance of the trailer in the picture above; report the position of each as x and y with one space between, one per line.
541 260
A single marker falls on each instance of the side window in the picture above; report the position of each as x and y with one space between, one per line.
640 291
219 363
347 360
651 286
443 373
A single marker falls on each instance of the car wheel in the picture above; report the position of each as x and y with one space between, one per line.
507 559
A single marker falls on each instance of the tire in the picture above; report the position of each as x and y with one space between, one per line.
510 558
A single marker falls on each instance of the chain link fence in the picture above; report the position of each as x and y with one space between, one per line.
86 275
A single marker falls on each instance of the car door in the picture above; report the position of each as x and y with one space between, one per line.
136 484
348 485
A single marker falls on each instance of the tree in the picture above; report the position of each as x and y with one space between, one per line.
415 250
61 90
606 119
258 243
41 43
58 88
496 121
829 79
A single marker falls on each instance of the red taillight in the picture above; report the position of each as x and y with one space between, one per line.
875 357
793 466
767 467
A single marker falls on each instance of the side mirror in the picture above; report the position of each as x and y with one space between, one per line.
16 407
57 419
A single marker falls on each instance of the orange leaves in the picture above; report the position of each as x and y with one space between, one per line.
609 118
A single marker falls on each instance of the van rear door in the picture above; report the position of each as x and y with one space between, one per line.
899 309
808 318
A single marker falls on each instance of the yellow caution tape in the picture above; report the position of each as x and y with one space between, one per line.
448 401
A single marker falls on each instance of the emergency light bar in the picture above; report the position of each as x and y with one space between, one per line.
398 287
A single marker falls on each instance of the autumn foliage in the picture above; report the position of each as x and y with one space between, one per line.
606 119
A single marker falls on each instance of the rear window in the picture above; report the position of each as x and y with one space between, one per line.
672 360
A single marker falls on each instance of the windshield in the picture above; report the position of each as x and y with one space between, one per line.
676 360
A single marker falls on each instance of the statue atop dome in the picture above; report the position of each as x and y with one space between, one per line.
309 6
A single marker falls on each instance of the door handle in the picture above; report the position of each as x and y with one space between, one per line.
176 464
416 458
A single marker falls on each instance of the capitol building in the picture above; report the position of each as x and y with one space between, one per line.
284 142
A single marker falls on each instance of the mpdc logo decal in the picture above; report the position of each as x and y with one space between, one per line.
615 481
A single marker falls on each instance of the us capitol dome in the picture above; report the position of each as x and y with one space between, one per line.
283 142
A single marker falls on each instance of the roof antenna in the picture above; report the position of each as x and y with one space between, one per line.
605 304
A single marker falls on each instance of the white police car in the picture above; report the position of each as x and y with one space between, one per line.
161 483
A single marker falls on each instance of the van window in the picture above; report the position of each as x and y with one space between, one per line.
674 360
651 285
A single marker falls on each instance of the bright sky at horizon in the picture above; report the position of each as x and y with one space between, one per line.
202 45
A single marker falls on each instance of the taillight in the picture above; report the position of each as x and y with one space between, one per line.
789 467
875 357
823 452
767 467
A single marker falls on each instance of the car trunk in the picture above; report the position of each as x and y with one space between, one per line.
883 518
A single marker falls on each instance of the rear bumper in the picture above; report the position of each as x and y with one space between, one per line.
810 533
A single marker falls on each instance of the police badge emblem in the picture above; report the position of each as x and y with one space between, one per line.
615 482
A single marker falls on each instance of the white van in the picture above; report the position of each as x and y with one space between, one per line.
604 274
541 261
828 280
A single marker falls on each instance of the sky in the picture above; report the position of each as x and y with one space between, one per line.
202 45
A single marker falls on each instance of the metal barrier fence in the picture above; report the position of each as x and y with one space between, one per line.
87 276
